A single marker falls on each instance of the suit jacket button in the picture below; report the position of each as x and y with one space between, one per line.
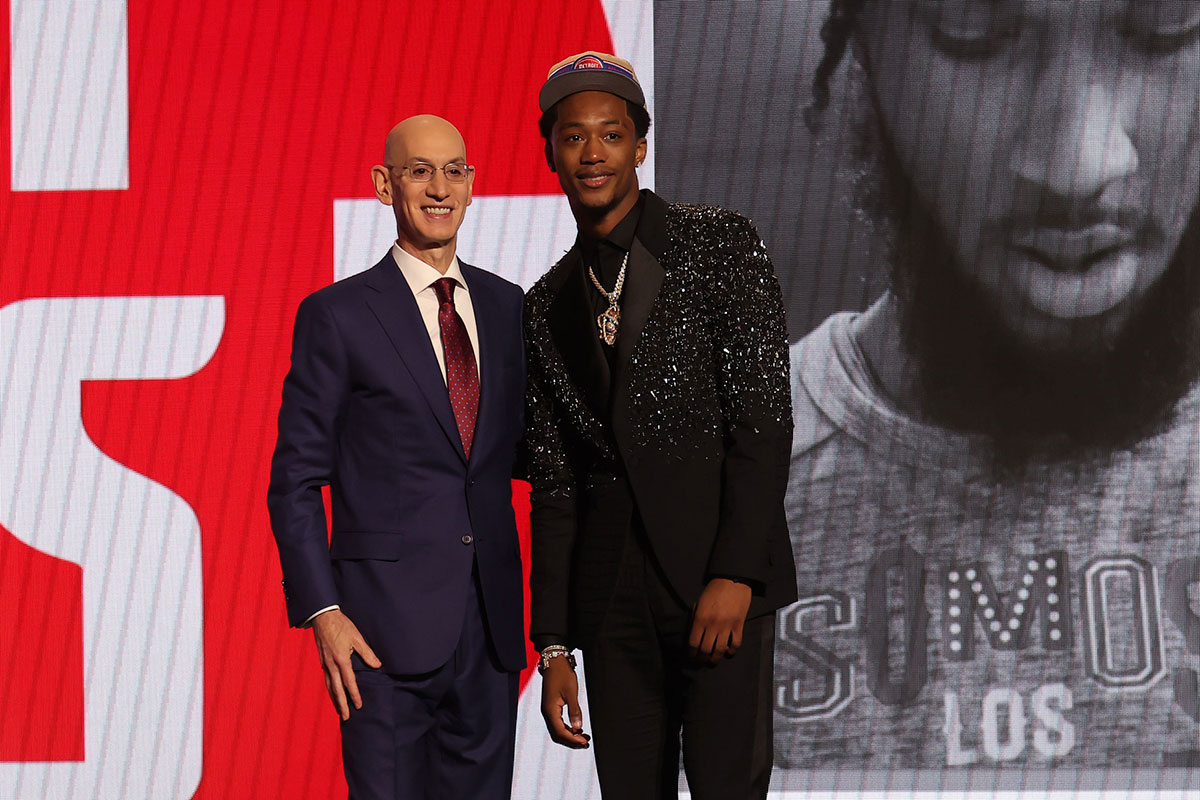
467 540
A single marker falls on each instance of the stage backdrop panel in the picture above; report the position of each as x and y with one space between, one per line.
180 175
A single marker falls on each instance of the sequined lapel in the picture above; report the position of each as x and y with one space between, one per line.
573 326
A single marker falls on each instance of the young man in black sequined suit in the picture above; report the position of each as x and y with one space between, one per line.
659 427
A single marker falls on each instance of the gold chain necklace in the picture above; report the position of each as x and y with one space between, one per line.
610 319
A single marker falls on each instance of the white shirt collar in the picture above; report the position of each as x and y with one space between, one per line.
421 276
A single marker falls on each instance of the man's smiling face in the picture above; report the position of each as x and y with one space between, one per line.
429 213
596 149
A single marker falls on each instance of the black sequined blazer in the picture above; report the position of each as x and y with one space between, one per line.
693 421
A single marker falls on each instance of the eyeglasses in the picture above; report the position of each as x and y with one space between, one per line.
420 172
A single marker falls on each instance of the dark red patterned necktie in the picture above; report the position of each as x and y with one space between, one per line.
462 376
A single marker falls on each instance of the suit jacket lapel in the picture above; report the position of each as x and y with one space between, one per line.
643 280
573 327
396 309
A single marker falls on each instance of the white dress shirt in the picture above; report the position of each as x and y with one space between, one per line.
421 277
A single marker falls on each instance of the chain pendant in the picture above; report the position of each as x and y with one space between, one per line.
611 318
608 322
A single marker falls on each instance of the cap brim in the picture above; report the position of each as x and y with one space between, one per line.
571 83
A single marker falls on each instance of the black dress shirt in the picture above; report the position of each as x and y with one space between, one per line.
604 257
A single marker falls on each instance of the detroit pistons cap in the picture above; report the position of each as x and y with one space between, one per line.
591 71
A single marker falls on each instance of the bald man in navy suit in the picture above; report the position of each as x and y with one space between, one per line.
405 397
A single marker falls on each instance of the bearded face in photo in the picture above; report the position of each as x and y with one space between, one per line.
1038 167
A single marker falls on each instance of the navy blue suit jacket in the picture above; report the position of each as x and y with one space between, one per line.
365 410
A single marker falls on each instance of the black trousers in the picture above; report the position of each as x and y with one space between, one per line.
647 697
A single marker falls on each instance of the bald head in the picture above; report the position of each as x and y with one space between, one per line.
428 203
420 136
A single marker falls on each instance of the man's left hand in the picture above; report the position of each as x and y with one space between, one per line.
718 619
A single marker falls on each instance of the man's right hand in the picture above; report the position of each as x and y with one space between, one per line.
337 639
560 688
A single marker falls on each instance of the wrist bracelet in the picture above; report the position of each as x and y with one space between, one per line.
552 652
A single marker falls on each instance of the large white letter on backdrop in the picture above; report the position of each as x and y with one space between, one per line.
137 542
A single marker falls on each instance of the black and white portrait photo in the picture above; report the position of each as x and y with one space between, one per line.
984 217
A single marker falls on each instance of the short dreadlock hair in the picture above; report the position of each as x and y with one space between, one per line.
835 33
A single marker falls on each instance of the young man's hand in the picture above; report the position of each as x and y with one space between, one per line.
560 687
718 620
